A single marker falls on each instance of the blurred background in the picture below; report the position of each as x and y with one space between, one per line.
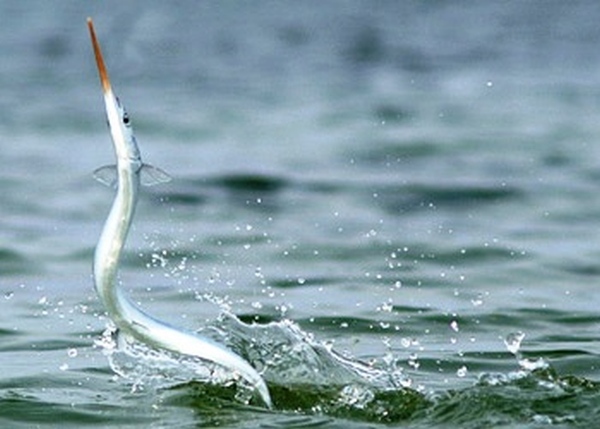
408 179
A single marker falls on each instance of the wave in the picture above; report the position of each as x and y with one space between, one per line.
311 384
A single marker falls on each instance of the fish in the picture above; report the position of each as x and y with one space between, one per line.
127 176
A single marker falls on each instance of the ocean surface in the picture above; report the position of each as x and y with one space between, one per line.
391 209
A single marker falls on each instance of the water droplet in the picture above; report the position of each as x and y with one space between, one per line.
413 362
389 359
72 352
386 307
357 396
542 419
513 342
478 301
532 365
462 371
454 325
409 342
283 309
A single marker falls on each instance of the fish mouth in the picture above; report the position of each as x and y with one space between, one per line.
99 60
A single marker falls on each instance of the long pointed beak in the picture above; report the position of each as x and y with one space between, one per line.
99 60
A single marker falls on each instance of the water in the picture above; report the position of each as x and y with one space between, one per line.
389 208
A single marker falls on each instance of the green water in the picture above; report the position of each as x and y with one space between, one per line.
390 209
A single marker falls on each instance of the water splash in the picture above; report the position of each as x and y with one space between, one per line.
513 344
288 355
307 376
146 367
282 352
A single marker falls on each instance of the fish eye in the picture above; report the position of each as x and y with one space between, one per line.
126 119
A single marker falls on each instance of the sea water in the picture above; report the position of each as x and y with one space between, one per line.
390 208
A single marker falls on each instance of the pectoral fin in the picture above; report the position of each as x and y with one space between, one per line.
150 176
107 175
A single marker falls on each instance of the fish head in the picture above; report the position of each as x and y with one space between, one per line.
118 119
